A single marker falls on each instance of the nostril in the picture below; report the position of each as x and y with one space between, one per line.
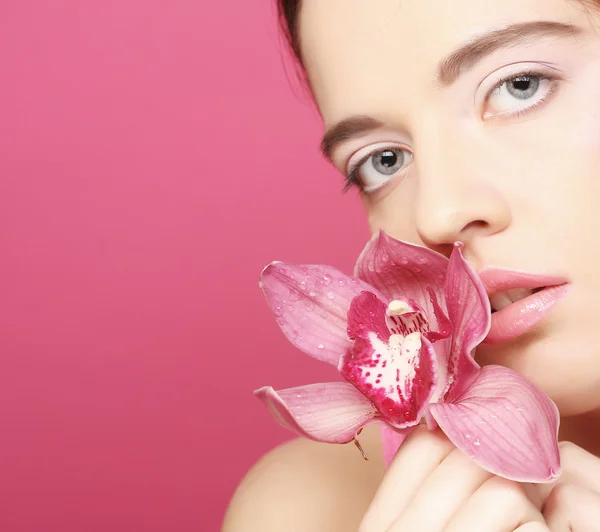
478 224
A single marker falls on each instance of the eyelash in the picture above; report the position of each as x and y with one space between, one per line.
352 179
531 73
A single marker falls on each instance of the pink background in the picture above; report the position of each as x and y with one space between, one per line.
153 159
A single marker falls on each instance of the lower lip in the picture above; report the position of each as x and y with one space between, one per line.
520 317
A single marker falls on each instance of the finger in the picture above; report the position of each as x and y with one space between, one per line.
535 526
499 505
418 456
572 508
579 467
442 494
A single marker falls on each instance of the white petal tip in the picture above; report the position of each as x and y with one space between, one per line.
554 474
270 265
261 392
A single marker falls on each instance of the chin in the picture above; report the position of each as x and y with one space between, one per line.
563 365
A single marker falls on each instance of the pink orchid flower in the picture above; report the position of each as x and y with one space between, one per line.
402 334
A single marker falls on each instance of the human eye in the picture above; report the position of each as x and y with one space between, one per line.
519 93
372 168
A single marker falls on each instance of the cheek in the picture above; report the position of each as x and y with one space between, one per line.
572 198
562 364
552 184
394 212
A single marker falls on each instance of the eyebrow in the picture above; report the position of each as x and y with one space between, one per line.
474 51
451 68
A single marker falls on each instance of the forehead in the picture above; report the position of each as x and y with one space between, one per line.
362 52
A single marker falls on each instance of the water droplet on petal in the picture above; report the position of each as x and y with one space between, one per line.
330 295
404 261
422 260
312 293
321 346
477 443
308 305
327 280
278 311
294 295
468 436
341 282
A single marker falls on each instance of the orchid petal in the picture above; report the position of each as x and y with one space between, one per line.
444 324
366 315
442 341
506 424
404 271
332 412
311 304
470 313
398 376
392 439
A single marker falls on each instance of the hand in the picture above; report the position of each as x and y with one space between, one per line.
572 504
432 486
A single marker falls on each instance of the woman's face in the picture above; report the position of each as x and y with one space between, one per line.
484 126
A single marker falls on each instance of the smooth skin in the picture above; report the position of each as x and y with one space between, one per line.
502 152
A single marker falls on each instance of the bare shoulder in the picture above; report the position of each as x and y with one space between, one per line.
307 486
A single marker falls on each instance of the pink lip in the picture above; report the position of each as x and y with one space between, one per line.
520 317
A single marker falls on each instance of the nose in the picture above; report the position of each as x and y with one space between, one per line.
459 195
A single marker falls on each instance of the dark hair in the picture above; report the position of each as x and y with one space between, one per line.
288 18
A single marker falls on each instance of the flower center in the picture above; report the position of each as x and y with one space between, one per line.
404 318
388 378
384 362
398 358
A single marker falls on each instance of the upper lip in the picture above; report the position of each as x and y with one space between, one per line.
499 279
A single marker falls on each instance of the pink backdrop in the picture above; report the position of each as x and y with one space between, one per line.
153 159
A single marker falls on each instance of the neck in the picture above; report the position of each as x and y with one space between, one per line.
582 430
